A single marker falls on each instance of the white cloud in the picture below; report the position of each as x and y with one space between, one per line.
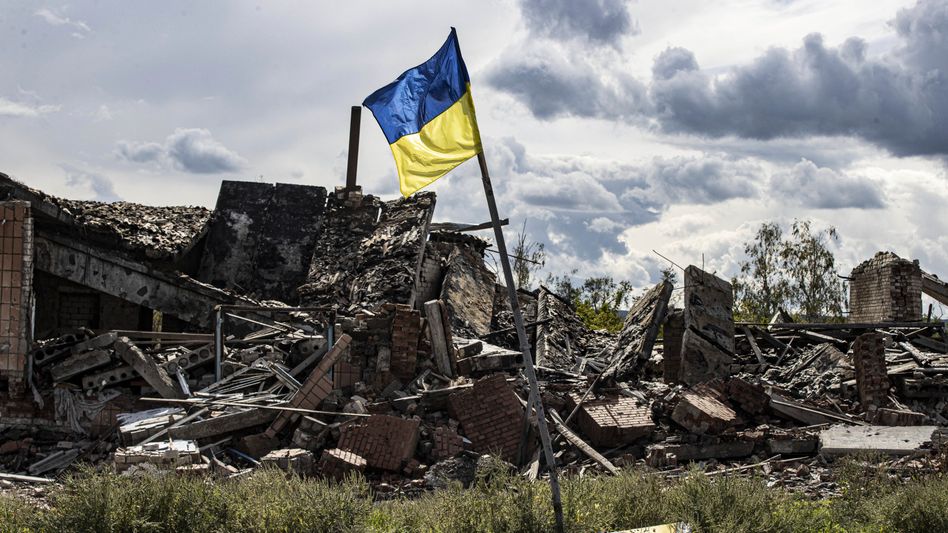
825 188
9 108
56 18
191 150
87 185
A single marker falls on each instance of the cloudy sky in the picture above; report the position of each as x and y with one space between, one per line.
612 127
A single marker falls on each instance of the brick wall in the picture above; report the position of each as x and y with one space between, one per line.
872 380
432 272
406 329
491 416
386 442
78 310
314 390
886 288
16 281
446 443
345 375
614 421
62 304
672 332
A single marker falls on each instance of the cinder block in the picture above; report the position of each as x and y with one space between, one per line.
293 460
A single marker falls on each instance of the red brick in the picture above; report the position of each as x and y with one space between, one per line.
385 442
702 413
491 416
872 380
614 421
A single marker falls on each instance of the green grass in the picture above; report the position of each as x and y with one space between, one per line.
268 500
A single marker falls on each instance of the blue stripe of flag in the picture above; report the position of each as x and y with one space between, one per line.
420 94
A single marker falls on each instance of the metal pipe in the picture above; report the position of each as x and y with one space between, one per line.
218 341
524 342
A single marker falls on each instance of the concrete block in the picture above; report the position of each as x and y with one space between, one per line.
293 460
708 341
79 364
890 440
147 368
96 343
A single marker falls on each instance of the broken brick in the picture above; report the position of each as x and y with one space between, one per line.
701 413
614 421
385 442
491 416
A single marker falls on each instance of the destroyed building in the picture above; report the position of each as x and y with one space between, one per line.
332 332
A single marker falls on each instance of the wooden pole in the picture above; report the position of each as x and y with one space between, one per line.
524 342
355 121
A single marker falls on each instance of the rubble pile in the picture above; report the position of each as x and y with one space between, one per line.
402 365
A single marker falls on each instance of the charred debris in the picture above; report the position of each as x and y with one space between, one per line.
333 333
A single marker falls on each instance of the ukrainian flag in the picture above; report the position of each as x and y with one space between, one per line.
427 115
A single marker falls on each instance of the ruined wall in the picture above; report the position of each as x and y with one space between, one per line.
62 304
672 335
143 232
886 288
468 292
708 341
639 330
369 252
16 279
261 238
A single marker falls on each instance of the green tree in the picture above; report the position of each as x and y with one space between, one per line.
816 290
796 273
597 301
528 256
762 287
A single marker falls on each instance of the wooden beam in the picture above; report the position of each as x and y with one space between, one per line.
753 343
575 440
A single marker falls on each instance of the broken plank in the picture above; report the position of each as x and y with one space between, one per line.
575 440
441 343
753 344
916 354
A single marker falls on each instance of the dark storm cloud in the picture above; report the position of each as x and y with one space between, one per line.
825 188
708 179
191 150
814 90
574 204
898 101
603 22
553 83
672 61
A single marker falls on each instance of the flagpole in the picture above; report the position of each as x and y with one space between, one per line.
524 342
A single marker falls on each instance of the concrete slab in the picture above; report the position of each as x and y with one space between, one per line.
891 440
